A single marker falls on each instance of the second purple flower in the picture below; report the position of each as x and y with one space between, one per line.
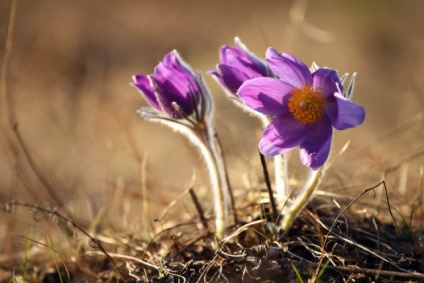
237 65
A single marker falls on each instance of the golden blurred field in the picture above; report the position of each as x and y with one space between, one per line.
66 86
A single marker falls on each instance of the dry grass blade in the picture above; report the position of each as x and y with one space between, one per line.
74 225
330 230
240 230
356 269
55 252
121 256
347 207
206 270
175 201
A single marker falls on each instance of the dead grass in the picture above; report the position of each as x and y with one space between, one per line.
336 239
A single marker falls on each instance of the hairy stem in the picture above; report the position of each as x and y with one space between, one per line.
224 172
203 137
219 182
281 178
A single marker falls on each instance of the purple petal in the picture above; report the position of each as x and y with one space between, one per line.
243 60
143 84
181 78
315 149
174 62
327 81
240 45
288 68
174 69
282 135
231 77
167 93
229 55
249 61
238 65
266 95
175 81
343 113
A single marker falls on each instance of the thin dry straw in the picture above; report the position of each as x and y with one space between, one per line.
355 269
73 224
54 252
355 199
350 204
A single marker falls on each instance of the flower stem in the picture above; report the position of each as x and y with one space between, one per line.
302 199
203 136
281 179
218 176
223 168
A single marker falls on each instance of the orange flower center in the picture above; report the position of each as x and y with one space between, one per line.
306 104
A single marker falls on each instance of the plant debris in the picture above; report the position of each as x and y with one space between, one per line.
324 245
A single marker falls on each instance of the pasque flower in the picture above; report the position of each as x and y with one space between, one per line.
173 89
306 107
238 64
180 100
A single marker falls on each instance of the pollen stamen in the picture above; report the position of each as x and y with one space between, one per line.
306 104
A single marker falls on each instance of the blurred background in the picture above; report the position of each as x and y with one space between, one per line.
79 144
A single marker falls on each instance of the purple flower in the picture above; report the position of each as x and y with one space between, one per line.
173 89
306 107
238 64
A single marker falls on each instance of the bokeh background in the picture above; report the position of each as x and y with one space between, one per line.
66 89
